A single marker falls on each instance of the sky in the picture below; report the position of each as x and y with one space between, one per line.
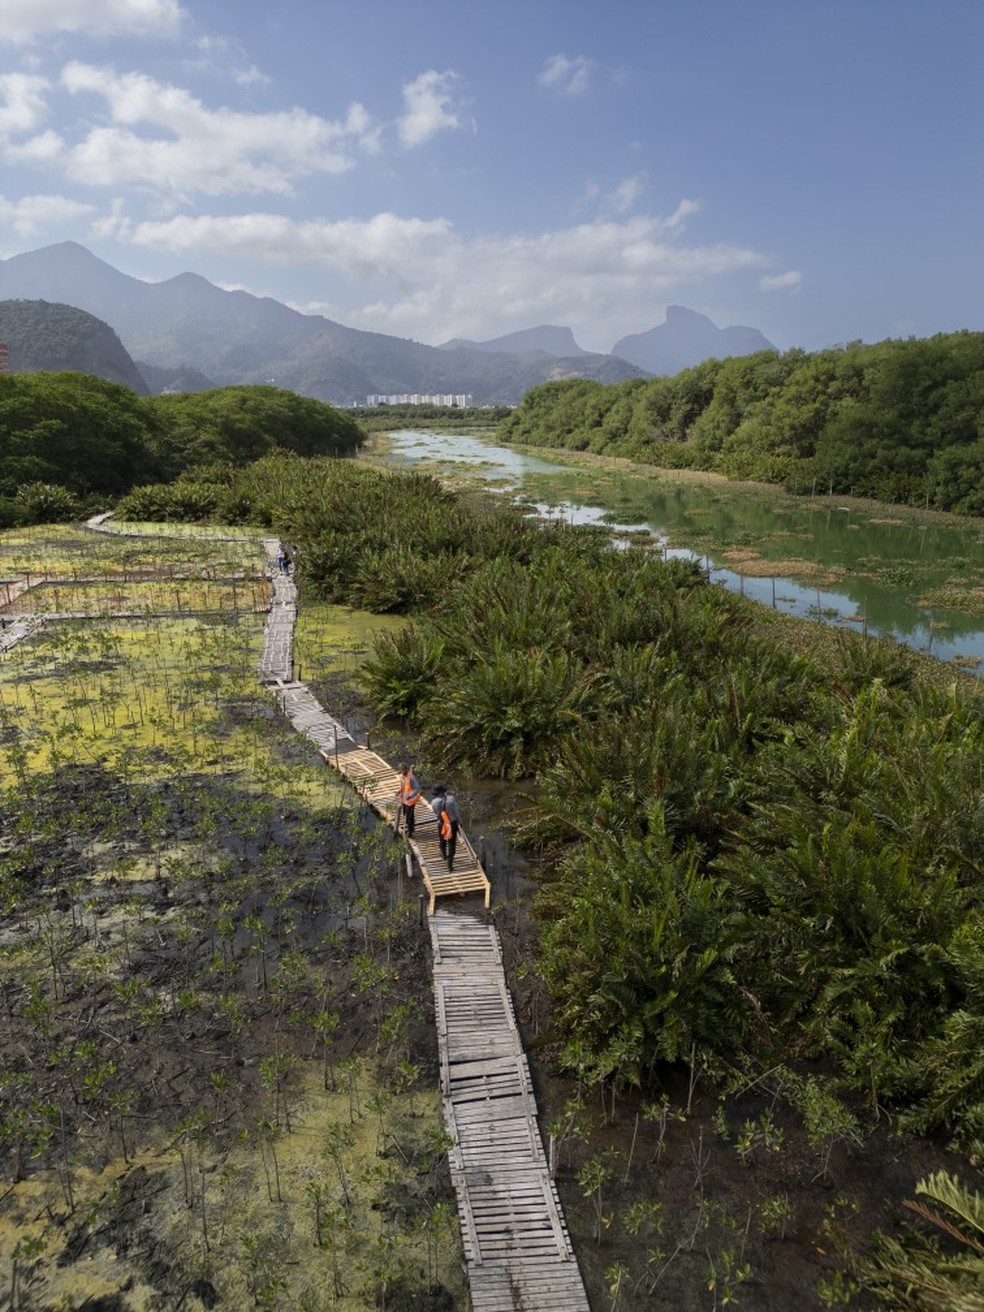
468 168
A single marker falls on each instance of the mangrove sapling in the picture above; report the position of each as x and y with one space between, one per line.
571 1127
775 1215
660 1114
725 1274
187 1141
260 1267
276 1070
616 1275
700 1156
325 1025
593 1176
379 1103
394 1030
758 1133
827 1120
26 1254
268 1133
338 1138
349 1071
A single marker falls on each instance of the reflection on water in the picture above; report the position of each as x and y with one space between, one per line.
876 572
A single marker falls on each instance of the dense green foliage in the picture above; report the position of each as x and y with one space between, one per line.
751 860
75 430
899 421
55 337
90 437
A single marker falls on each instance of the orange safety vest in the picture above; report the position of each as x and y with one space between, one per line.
445 823
409 791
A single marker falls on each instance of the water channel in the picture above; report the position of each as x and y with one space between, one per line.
916 578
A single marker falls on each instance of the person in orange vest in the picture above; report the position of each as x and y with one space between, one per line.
408 795
445 806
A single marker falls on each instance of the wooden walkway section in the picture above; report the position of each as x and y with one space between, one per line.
372 777
516 1242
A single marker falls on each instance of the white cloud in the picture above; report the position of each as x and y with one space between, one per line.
602 278
381 246
32 214
23 20
250 77
625 195
185 148
778 282
22 102
569 77
223 56
42 149
429 107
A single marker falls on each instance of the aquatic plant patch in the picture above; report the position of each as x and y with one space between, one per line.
193 596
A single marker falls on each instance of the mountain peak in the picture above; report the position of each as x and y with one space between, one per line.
548 338
684 340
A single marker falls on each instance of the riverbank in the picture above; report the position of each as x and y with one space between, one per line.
890 512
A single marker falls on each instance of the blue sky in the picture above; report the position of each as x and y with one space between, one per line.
463 168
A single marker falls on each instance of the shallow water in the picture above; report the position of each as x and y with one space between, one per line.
858 565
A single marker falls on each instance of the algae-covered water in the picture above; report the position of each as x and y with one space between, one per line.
914 576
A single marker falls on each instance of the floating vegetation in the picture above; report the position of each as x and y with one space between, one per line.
970 600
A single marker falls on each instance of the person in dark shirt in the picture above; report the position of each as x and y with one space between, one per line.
445 806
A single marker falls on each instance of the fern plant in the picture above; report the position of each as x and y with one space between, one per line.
941 1269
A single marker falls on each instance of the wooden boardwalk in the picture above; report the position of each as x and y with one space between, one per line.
372 777
516 1242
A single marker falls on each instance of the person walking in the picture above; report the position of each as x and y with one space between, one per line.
445 806
283 559
407 795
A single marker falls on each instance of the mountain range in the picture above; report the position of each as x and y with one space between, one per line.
186 331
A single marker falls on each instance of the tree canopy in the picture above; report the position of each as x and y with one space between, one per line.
899 421
96 438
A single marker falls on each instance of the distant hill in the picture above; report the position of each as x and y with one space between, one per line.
54 337
547 338
685 339
181 379
233 337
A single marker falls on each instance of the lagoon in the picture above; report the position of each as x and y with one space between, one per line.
913 576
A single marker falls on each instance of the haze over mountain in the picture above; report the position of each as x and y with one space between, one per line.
186 330
41 335
685 339
546 338
233 337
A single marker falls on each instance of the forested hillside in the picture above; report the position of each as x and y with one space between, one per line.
54 337
68 437
899 421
